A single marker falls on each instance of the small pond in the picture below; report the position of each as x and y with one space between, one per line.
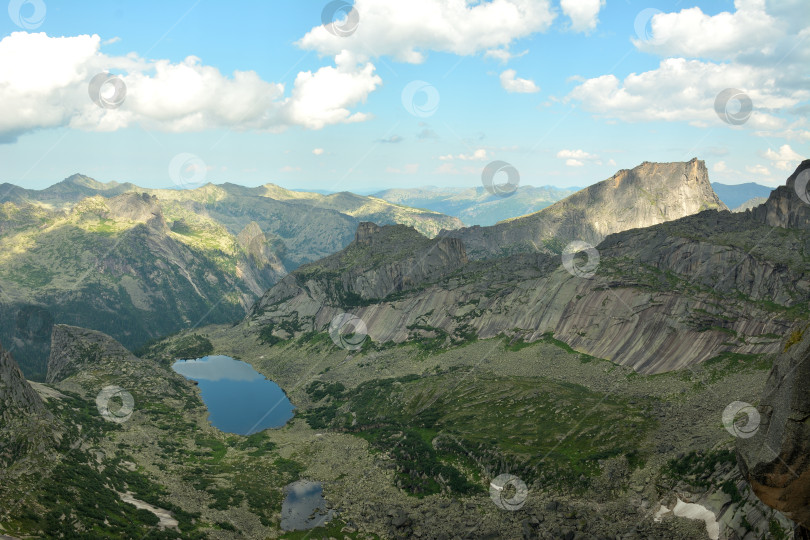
239 399
303 506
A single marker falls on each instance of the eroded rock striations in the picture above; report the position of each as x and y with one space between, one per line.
659 298
776 460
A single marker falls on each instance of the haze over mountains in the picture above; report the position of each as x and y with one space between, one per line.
477 206
480 207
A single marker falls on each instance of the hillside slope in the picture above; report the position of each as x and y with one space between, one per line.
139 263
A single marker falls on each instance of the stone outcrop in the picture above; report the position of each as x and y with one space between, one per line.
776 460
785 207
15 393
649 194
660 298
27 428
73 348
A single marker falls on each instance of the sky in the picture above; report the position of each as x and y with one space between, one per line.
376 94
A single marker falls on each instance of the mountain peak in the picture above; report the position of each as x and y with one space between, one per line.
646 195
81 180
789 206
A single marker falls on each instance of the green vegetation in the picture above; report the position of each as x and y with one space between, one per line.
696 467
187 347
447 431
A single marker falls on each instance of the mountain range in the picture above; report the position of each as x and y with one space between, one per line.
589 348
139 263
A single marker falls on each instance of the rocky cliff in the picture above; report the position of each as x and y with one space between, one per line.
649 194
657 299
73 348
788 206
776 460
25 424
15 393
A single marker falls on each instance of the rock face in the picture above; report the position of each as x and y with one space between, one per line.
73 347
776 460
26 427
649 194
659 298
785 208
15 393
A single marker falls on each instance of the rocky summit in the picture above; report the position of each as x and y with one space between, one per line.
657 298
648 194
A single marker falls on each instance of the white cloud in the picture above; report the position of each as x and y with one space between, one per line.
44 84
694 34
290 168
405 30
323 97
112 40
785 159
317 151
504 55
512 84
477 155
584 14
758 169
720 166
577 158
684 90
577 154
754 49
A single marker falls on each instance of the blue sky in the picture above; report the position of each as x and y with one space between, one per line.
567 91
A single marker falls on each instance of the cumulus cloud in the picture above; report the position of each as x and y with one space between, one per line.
512 84
317 151
761 170
684 90
753 49
720 166
694 34
584 14
44 84
478 155
504 55
577 158
785 159
406 30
